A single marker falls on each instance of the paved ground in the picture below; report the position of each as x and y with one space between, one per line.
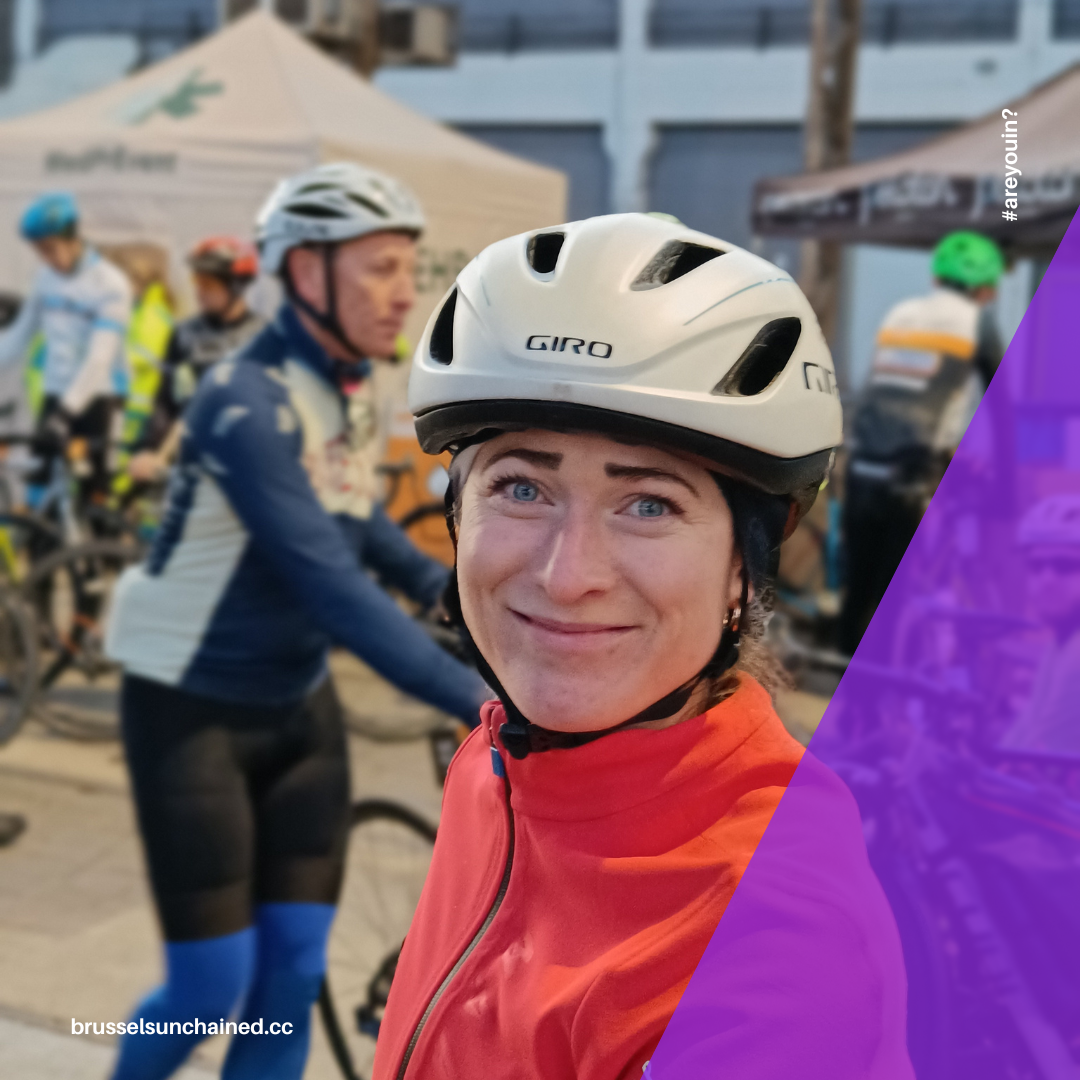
78 939
27 1049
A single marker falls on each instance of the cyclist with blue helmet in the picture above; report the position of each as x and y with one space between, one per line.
266 556
81 305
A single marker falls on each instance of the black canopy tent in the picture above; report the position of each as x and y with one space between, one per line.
954 181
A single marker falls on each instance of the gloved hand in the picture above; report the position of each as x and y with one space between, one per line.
53 435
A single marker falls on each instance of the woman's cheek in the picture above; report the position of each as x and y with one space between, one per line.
684 581
500 547
491 553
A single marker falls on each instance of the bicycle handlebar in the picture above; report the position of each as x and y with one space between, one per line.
22 438
394 468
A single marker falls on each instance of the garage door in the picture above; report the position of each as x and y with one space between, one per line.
577 151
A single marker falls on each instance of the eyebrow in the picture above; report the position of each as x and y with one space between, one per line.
636 472
541 458
545 459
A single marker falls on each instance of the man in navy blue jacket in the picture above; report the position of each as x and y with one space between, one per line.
232 729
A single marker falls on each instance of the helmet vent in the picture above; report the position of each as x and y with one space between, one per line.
441 347
314 210
543 251
762 360
673 261
367 204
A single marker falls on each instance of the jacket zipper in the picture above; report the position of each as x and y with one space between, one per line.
492 912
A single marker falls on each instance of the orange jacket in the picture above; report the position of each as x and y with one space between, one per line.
554 940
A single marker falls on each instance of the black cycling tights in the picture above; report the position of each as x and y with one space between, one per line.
244 816
238 805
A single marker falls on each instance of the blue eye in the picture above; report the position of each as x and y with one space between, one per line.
525 492
650 508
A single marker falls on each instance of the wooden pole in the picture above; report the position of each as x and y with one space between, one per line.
834 51
367 47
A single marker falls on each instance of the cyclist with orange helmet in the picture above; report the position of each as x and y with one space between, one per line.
222 268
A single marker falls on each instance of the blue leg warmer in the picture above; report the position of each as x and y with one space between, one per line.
204 981
289 970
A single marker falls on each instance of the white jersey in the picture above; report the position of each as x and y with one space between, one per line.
934 358
1049 722
83 316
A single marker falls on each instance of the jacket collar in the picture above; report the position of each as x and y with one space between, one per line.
300 345
628 768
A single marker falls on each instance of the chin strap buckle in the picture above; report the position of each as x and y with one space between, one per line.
516 738
521 740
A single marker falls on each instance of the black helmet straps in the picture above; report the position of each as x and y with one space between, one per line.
328 320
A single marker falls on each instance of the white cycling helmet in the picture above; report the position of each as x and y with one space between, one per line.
329 204
642 328
1054 521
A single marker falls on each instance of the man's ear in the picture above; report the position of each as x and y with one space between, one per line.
305 269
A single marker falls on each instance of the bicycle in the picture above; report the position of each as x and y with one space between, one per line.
63 578
78 685
18 663
424 520
389 852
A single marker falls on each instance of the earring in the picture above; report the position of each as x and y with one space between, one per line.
731 620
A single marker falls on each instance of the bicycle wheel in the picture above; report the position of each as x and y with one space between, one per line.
387 861
25 537
425 522
70 593
18 664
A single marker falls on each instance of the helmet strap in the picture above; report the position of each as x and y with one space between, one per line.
326 320
237 286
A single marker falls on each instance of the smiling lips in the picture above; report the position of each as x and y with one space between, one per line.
570 632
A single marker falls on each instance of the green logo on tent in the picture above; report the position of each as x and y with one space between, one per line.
180 102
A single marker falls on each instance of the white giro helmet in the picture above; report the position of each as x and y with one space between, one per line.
1053 521
329 204
642 328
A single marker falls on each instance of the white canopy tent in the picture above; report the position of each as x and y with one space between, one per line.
192 145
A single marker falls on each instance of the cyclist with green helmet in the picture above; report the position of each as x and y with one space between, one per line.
934 358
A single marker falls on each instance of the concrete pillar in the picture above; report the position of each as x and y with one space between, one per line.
27 17
628 133
1035 27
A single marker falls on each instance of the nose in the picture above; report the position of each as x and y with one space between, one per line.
405 294
580 563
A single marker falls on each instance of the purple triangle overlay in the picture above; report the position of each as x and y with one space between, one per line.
974 849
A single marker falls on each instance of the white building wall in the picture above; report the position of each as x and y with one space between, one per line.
629 95
630 92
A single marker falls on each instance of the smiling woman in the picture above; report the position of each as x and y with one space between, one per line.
594 576
618 521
